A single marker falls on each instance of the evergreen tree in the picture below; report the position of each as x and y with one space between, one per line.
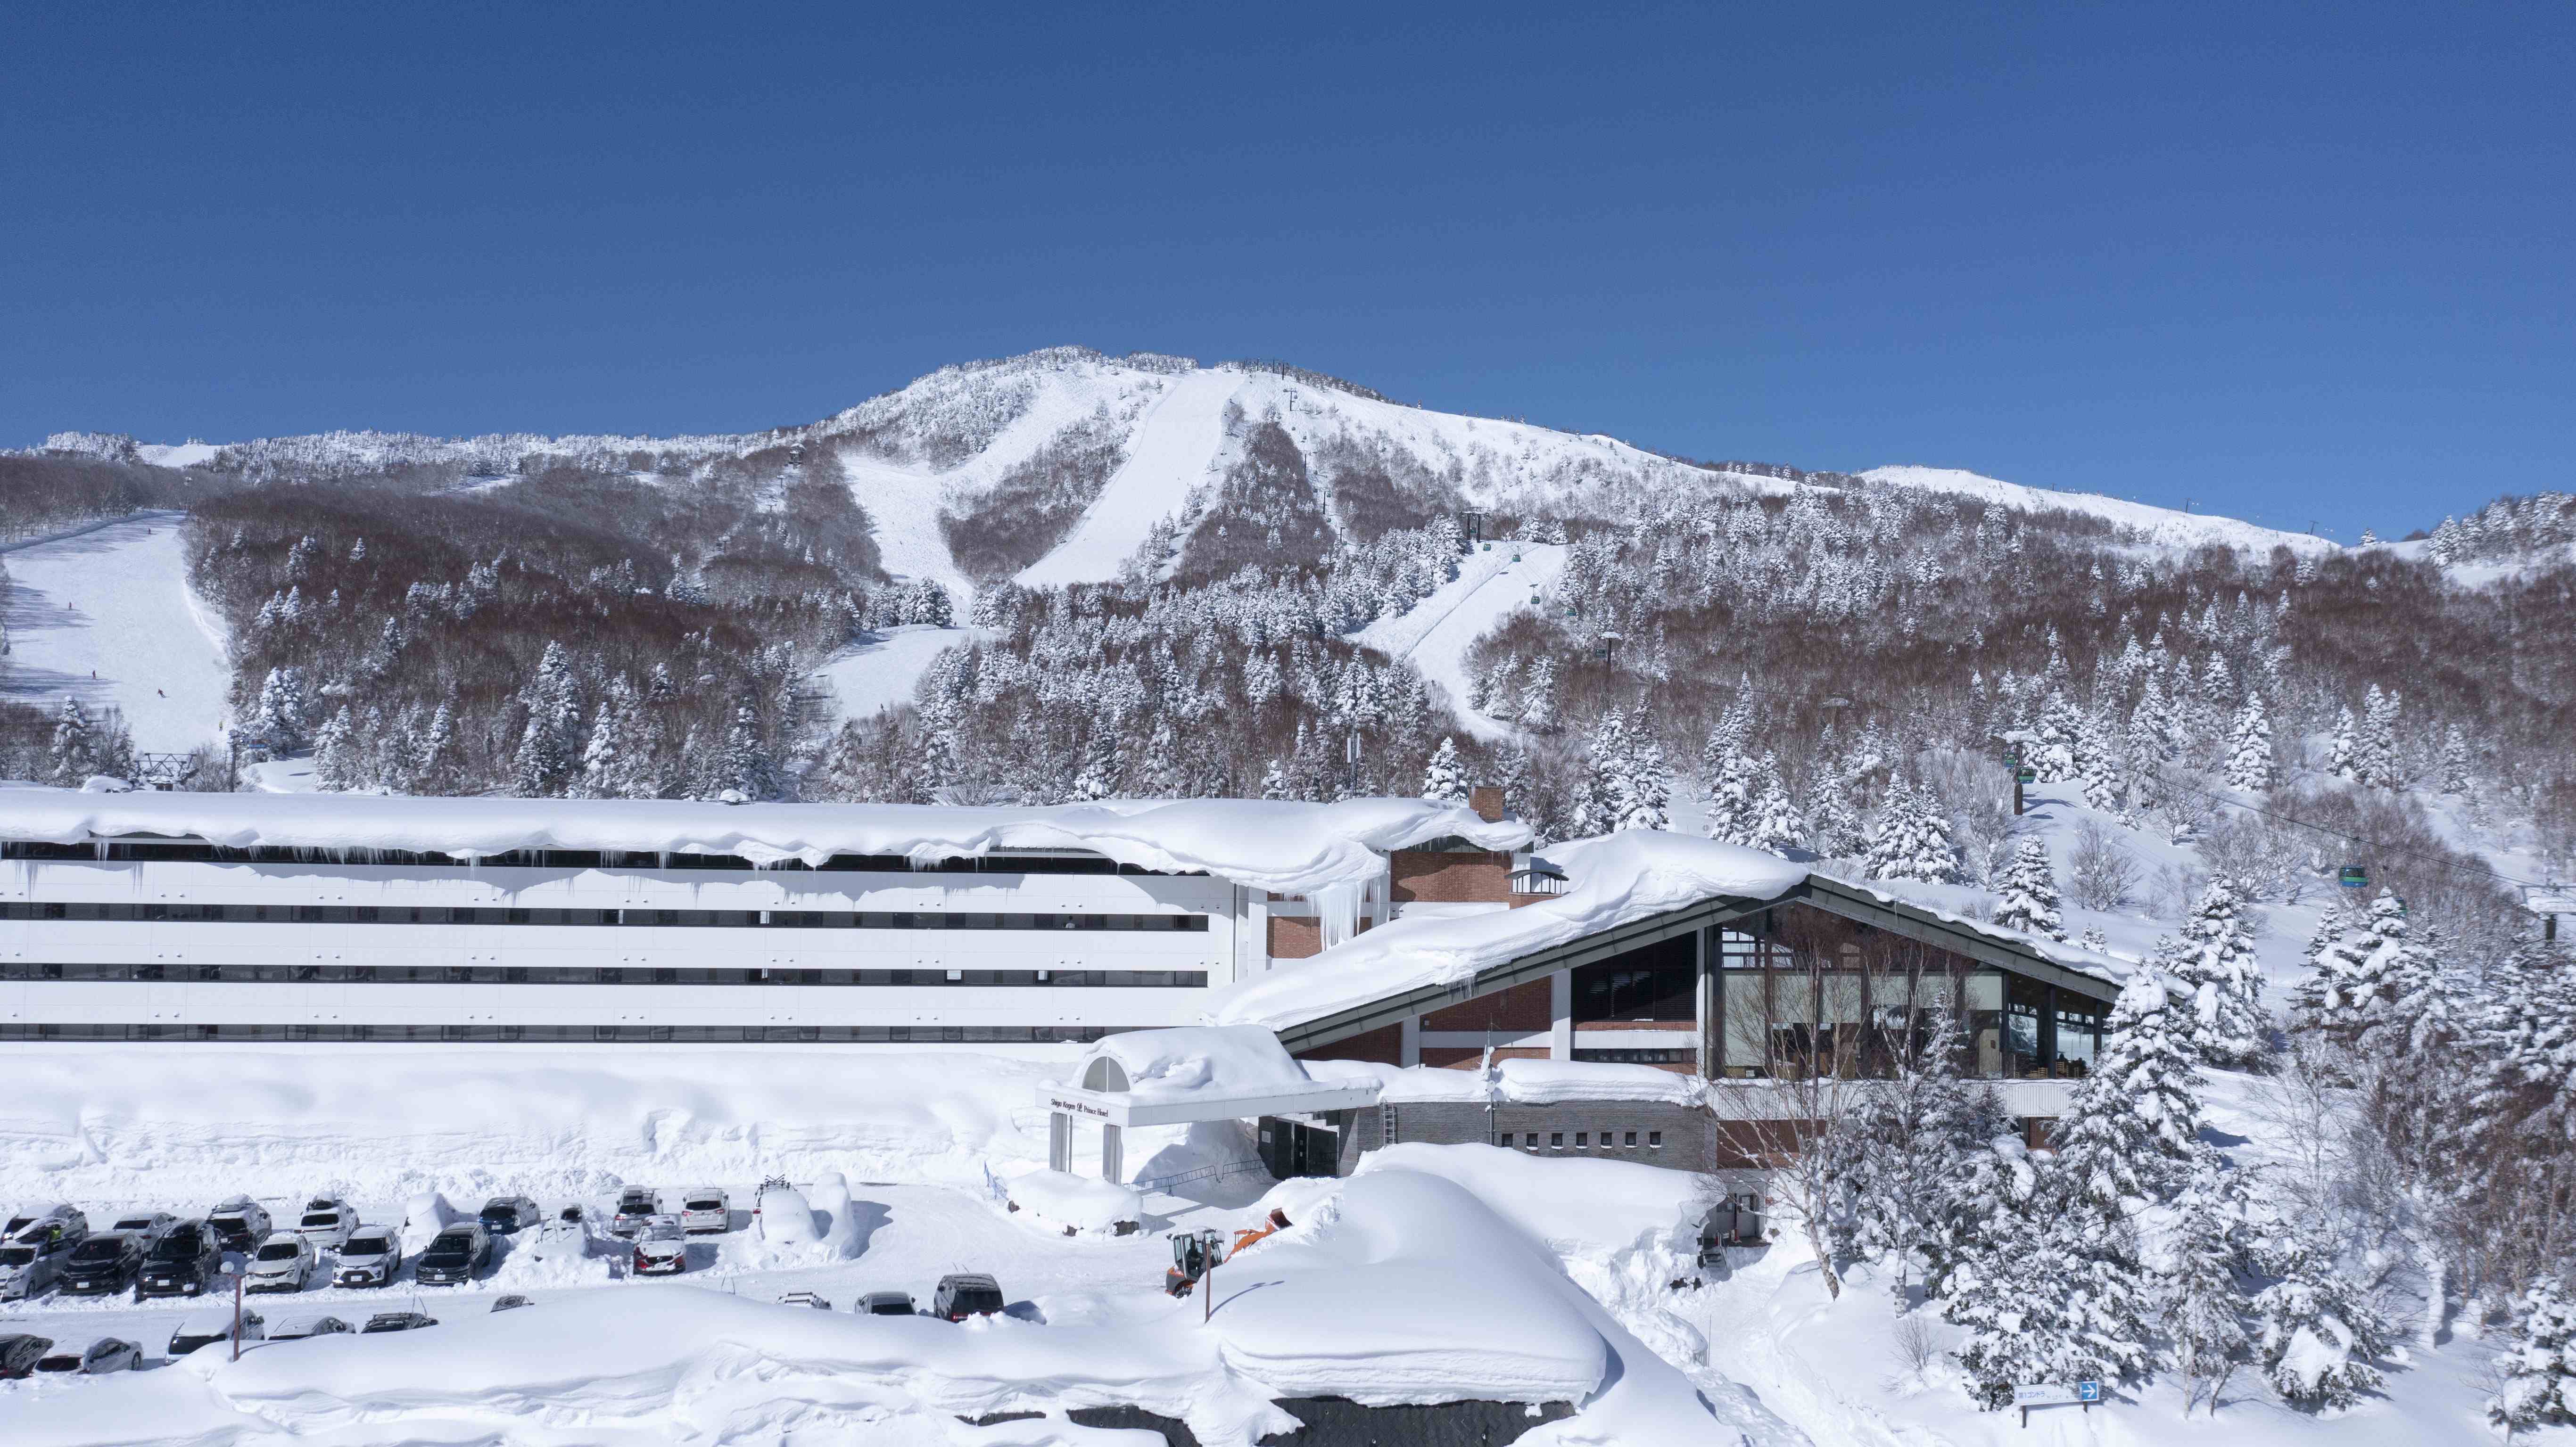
2357 993
1727 787
1776 826
612 762
746 768
1905 1157
1098 778
1274 781
68 763
279 722
2099 766
2132 1124
2316 1333
2539 1363
2455 761
2215 961
2249 749
2202 1284
335 753
2343 755
433 763
1911 839
2029 893
549 748
1444 781
2375 753
2050 1290
1832 827
1537 709
1624 785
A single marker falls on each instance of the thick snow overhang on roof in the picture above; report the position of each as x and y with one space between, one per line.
1286 847
1198 1072
1617 880
1627 890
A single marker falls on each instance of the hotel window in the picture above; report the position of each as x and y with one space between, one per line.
1654 1140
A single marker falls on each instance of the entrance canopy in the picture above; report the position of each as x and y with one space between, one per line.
1195 1073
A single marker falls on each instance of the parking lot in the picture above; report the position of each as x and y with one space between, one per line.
904 1238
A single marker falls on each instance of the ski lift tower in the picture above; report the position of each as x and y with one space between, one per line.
1475 520
1351 756
2549 901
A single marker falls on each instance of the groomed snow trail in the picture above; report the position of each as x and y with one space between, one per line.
903 503
879 674
1435 634
106 616
1166 456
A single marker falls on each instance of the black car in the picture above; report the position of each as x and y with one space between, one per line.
184 1262
460 1254
965 1294
503 1215
240 1224
396 1321
103 1265
20 1353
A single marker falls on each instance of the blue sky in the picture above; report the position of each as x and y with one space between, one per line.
2282 261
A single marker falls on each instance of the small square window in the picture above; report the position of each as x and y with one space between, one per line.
1655 1140
1582 1138
1556 1140
1631 1140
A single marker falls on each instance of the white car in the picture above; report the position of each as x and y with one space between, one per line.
661 1247
327 1221
370 1257
283 1262
211 1324
705 1209
297 1328
565 1238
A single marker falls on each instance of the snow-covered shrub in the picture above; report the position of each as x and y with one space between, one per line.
2540 1363
2316 1333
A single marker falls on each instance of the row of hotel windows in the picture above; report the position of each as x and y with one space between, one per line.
195 852
1528 1140
586 1034
587 975
724 918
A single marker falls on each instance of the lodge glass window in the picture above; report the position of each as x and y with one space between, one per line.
655 918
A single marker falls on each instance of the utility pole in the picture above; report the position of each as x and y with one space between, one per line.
1351 756
2021 775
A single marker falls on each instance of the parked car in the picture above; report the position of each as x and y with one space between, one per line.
705 1210
297 1328
283 1262
208 1325
885 1303
27 1268
60 1214
805 1298
102 1265
370 1257
565 1238
20 1352
327 1222
503 1215
396 1321
458 1254
510 1302
147 1226
661 1247
966 1293
240 1224
107 1354
635 1205
184 1262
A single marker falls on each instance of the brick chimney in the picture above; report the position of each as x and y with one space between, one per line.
1487 801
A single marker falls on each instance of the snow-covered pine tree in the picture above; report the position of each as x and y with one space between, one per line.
1911 839
433 762
1727 786
2455 761
1162 764
2315 1331
68 761
2057 757
550 746
2049 1286
2343 752
2214 960
2029 893
2130 1127
2353 996
1910 1149
1832 826
2375 753
2201 1286
2249 748
1444 780
335 753
1776 826
2539 1362
1537 708
1098 777
746 768
279 722
2098 764
1274 782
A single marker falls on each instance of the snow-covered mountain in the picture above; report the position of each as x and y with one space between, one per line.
1138 442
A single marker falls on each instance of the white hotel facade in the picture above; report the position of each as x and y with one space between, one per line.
157 916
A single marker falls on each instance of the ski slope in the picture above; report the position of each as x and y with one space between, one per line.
1435 634
879 674
2162 525
106 616
1171 450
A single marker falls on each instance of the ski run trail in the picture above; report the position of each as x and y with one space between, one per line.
106 616
1170 451
1435 634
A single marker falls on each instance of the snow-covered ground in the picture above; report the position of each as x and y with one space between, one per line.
106 616
879 671
2161 525
1435 634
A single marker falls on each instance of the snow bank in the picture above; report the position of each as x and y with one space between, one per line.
1591 1209
1288 847
1615 879
1201 1062
1082 1203
195 1124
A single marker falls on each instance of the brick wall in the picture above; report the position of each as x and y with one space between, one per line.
1380 1047
1438 877
1295 939
1468 1057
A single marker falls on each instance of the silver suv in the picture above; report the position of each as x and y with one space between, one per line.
327 1222
283 1262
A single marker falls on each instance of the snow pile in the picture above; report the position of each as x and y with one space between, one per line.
831 1201
130 1122
1288 847
785 1220
1076 1203
1592 1210
1615 879
1200 1062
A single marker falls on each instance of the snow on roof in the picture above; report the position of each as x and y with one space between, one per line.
1520 1082
2106 967
1277 845
1616 879
1197 1072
